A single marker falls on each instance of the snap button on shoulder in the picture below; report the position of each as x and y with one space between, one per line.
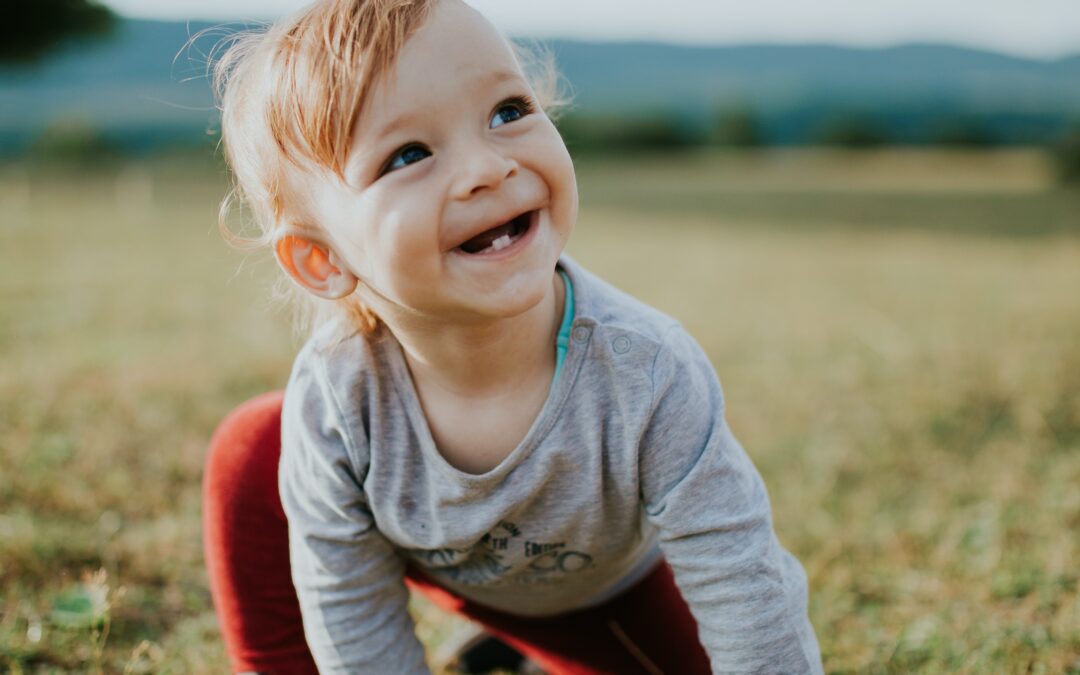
621 344
580 334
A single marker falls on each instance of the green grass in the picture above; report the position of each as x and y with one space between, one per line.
897 334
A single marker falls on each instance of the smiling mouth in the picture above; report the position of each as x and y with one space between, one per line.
498 238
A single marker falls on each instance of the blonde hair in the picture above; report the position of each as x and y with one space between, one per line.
291 95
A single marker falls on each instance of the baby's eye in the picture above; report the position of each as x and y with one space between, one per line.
511 111
410 154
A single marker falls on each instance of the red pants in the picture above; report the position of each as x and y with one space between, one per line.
647 629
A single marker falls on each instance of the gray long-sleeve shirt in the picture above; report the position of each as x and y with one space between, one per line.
630 459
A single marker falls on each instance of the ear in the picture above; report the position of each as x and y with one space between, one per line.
313 265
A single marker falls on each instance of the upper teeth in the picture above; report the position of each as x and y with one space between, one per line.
501 243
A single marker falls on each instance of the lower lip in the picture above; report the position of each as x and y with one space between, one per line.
512 249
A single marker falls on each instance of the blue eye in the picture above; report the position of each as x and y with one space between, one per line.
510 111
410 154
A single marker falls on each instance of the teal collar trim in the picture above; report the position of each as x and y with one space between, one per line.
563 339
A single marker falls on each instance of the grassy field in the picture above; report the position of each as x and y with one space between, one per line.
898 334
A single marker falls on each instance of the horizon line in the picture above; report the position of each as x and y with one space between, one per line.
700 44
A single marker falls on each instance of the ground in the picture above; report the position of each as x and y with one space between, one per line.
896 333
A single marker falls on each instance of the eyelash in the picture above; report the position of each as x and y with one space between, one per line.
522 104
389 165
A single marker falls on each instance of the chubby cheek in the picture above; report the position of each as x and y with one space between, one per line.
558 170
332 211
352 241
403 250
568 201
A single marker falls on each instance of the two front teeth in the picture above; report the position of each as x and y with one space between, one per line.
498 238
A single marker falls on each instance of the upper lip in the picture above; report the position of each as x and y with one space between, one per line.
486 224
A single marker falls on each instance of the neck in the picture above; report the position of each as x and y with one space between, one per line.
481 359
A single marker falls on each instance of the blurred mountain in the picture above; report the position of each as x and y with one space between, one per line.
144 88
148 87
912 92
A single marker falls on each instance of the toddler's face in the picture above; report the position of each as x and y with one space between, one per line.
461 194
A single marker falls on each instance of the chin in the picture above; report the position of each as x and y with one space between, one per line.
510 305
519 295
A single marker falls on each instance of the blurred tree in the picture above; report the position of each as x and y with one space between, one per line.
737 128
73 140
656 132
852 130
1067 153
965 131
33 27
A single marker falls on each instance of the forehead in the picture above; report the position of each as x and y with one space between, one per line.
456 52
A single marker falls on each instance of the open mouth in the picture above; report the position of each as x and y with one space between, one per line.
498 238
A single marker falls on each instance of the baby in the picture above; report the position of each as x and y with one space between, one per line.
476 416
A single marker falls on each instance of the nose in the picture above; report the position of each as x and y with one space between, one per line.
481 167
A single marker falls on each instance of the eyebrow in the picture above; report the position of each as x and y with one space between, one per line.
368 150
500 76
491 79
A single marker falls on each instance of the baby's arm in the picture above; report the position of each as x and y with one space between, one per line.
347 576
747 593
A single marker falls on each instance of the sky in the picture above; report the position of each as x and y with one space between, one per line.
1035 28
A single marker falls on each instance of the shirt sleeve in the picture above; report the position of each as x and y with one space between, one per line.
710 506
348 578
